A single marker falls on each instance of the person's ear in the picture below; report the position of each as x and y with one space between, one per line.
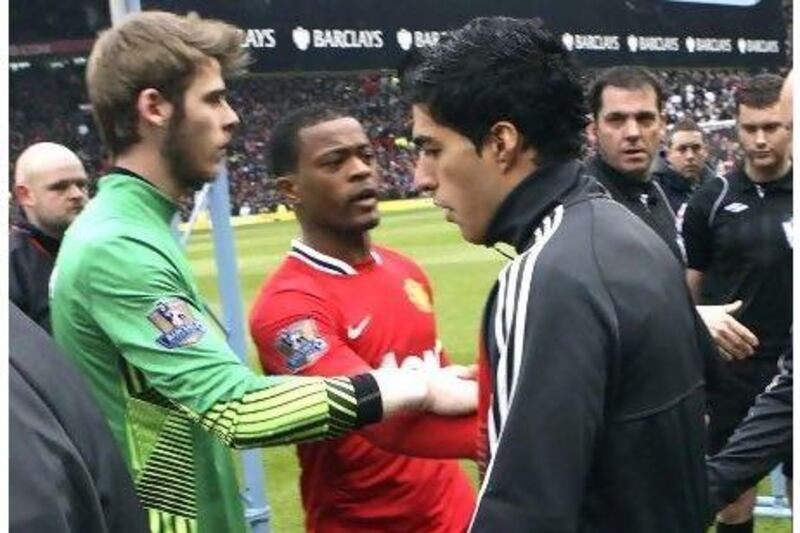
23 195
591 131
504 145
287 187
153 109
662 130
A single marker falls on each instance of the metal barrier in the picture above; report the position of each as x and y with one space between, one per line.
216 197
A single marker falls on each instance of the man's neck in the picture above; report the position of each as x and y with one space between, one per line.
34 223
350 248
638 177
148 163
766 175
643 177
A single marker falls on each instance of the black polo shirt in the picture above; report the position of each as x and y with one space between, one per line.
645 199
739 234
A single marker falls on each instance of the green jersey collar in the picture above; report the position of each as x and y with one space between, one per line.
125 181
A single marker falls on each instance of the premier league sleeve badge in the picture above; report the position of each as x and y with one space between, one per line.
173 317
300 344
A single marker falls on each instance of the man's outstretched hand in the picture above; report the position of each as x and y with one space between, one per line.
421 384
733 339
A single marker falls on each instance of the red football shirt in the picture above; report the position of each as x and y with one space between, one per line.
318 315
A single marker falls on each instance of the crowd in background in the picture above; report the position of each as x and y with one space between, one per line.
51 104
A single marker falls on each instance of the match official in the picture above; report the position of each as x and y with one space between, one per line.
738 232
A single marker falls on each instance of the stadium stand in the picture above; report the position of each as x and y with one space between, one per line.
48 103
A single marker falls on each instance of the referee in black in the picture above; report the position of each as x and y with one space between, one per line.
738 236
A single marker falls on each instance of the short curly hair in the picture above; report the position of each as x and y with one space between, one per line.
284 146
502 69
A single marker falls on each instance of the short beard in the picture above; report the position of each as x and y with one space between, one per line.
176 150
55 227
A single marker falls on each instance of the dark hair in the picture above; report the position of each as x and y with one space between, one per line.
759 92
624 77
500 68
284 147
685 124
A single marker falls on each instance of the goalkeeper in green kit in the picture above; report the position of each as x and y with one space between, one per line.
126 309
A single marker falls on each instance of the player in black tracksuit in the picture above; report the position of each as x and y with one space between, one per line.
596 422
591 368
66 472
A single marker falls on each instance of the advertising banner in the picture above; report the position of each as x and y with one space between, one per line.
333 35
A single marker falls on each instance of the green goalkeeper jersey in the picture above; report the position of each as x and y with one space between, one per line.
127 310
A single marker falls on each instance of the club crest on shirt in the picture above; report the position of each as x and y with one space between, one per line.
300 344
418 295
173 318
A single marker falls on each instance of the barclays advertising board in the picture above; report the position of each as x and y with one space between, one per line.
337 35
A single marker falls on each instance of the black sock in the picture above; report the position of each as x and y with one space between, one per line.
744 527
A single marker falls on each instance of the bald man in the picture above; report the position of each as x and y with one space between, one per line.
50 185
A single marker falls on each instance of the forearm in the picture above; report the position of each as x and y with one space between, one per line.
283 410
293 410
427 436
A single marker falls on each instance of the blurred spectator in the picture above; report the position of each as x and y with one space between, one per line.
682 168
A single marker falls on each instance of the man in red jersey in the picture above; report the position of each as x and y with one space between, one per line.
336 306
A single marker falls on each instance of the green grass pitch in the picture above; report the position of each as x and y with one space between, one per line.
461 275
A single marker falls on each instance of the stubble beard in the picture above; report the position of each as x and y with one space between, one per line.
177 151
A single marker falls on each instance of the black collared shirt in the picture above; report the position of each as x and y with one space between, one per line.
31 256
739 234
645 199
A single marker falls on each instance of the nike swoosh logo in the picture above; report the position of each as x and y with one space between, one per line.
354 332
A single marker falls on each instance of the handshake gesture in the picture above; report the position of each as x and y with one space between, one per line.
422 384
733 340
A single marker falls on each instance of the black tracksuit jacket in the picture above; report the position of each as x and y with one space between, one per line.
761 442
645 199
31 256
66 472
677 188
593 356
